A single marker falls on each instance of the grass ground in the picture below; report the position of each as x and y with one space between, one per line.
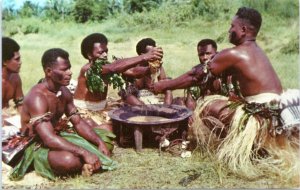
149 170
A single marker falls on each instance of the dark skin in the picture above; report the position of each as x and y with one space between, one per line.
64 157
243 62
11 81
118 66
143 75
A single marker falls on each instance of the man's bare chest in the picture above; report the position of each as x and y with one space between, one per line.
57 105
8 90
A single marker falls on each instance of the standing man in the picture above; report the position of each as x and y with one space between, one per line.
58 151
244 130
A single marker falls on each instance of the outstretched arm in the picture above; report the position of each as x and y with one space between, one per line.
186 80
137 72
122 65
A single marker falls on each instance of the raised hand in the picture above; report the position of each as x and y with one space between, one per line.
154 53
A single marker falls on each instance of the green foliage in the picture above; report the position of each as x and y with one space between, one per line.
28 10
132 6
93 10
83 10
96 82
283 8
292 47
8 14
106 162
166 16
100 10
24 26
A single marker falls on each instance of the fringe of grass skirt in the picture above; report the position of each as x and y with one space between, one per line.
247 137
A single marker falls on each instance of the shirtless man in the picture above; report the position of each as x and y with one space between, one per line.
94 47
11 81
235 128
206 49
140 78
11 87
44 106
243 62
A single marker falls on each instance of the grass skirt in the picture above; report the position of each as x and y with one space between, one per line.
249 148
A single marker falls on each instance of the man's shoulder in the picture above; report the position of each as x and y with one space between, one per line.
35 92
15 77
85 67
233 54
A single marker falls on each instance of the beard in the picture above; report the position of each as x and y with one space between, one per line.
233 38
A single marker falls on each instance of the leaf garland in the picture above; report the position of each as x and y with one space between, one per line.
95 79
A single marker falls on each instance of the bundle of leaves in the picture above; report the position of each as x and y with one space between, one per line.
95 79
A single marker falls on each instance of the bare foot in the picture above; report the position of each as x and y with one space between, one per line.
87 170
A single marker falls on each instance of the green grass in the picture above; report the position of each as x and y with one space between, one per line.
178 40
149 170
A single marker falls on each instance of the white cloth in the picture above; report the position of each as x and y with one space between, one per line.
290 105
149 98
93 106
263 98
11 127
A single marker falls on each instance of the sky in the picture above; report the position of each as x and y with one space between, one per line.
16 4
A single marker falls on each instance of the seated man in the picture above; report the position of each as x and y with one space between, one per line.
58 149
243 132
95 76
139 79
11 86
207 49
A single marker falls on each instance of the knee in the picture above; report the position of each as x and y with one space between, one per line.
107 127
63 162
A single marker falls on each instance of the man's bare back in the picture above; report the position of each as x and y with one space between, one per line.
248 64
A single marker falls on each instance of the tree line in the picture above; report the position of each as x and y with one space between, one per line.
80 11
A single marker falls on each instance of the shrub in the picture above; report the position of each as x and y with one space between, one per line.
283 8
292 47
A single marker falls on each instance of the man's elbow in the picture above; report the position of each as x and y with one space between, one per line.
51 143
